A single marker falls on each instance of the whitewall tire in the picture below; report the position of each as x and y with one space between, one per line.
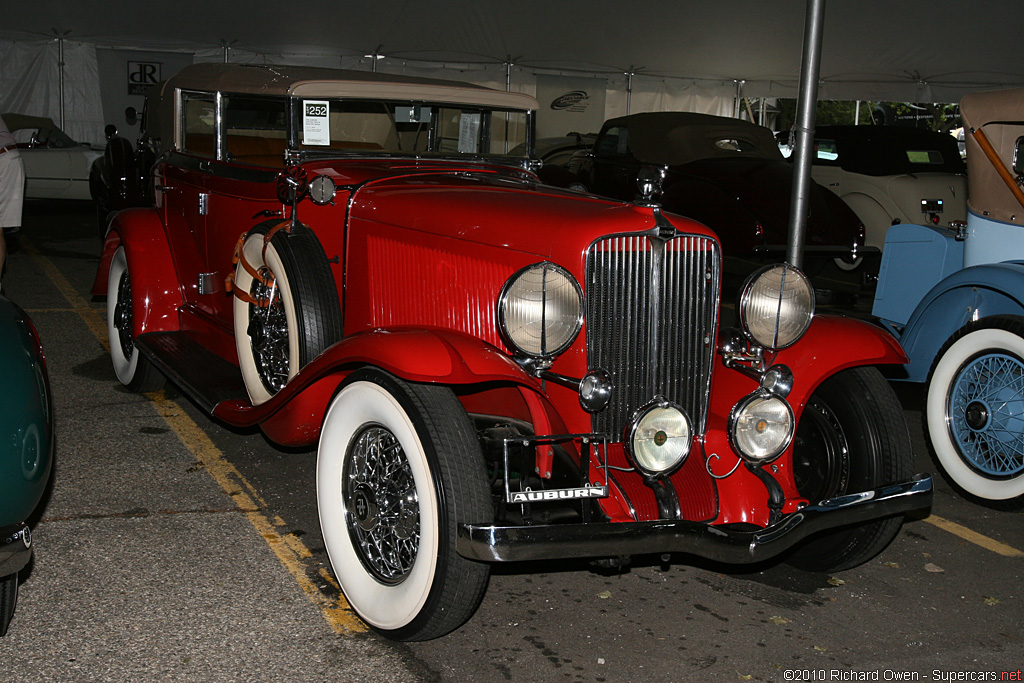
132 369
974 410
398 469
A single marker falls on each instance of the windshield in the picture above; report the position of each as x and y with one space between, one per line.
361 126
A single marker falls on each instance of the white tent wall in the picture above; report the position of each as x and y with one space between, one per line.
623 94
681 52
30 83
124 75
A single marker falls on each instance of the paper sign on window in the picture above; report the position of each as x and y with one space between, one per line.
469 133
316 127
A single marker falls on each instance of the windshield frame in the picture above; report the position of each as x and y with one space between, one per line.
487 113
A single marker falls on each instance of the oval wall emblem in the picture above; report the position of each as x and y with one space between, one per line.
570 99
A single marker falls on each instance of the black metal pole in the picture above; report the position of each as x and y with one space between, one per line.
809 68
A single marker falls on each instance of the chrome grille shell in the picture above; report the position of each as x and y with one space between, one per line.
652 310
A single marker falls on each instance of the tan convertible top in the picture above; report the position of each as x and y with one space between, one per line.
317 82
1000 115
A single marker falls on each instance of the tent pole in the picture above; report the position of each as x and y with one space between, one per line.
813 29
629 89
60 75
737 102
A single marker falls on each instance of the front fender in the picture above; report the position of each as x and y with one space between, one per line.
835 343
426 355
414 354
831 344
966 295
155 289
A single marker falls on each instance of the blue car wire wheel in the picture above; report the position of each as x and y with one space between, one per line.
986 414
975 408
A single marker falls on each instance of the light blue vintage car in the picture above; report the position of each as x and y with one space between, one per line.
955 298
26 445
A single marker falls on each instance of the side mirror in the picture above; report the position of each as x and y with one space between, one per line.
110 130
1018 156
131 116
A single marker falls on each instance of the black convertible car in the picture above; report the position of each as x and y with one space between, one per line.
727 173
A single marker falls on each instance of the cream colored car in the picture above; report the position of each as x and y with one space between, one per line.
892 174
56 167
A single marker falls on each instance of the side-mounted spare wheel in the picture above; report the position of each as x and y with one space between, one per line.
286 307
399 468
133 370
852 437
974 410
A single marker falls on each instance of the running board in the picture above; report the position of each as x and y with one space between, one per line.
204 376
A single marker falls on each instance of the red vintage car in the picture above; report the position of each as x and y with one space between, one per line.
494 369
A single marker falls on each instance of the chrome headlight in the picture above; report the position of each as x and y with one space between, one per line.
761 427
660 438
540 310
776 306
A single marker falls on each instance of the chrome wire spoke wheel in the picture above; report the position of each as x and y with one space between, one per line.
399 468
268 332
123 315
986 414
296 314
132 368
382 505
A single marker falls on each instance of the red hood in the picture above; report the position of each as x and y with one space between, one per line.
495 206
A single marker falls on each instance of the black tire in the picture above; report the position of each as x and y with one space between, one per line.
8 601
973 410
420 588
852 437
133 369
299 316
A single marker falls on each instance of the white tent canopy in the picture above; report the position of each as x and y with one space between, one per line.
663 52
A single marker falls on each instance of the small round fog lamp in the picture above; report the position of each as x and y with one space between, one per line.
660 438
761 427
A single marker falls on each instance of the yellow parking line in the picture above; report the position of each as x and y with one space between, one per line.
291 551
974 537
96 322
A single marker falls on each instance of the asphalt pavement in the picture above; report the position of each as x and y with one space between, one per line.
174 549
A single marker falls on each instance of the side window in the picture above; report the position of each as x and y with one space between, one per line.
255 130
460 131
198 124
925 156
826 152
614 142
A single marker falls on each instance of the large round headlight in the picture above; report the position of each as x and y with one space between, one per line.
761 427
776 306
540 310
660 438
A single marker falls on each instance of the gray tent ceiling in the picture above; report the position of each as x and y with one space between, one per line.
925 50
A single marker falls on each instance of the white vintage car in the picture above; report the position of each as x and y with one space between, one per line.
892 174
56 167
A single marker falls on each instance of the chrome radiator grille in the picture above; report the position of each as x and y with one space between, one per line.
651 314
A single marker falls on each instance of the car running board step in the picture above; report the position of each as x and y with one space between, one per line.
204 376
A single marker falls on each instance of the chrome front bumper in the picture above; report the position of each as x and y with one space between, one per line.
562 541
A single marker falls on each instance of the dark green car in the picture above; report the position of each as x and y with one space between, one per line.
26 445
